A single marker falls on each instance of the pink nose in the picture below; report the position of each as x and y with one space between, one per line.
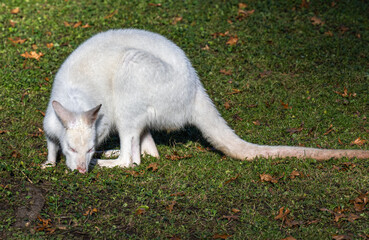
81 170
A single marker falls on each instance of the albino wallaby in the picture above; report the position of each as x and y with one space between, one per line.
132 81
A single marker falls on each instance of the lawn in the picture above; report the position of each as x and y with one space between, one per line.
280 73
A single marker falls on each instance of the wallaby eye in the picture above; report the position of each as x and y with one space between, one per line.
73 150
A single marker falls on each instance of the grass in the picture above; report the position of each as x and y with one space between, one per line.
287 81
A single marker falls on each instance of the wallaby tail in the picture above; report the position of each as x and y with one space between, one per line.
221 136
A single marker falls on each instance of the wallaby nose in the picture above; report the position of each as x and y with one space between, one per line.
81 170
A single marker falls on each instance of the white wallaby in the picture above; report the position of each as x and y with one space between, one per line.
132 81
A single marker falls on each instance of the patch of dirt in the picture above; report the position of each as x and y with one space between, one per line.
34 202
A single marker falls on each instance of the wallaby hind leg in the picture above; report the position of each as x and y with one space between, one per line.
148 145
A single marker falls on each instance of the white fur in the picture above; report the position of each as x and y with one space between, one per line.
143 81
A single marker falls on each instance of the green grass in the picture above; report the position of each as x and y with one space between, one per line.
280 56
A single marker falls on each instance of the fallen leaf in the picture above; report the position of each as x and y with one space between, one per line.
232 179
235 210
295 174
341 237
316 21
86 26
328 33
15 10
90 211
294 130
352 217
175 156
171 206
206 47
3 131
33 55
285 105
133 173
12 23
344 29
153 166
256 123
111 14
177 194
230 217
242 5
67 24
235 91
176 20
360 202
265 73
232 40
77 24
268 178
155 4
219 34
358 141
17 40
225 72
304 4
227 105
49 45
282 214
221 236
34 47
142 210
236 117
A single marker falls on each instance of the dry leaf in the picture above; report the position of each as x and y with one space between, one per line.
265 73
242 5
206 47
90 211
15 10
133 173
225 72
328 33
235 210
86 26
358 141
282 214
178 194
111 14
268 178
295 174
17 40
230 217
33 55
344 29
235 91
175 156
176 20
360 202
49 45
330 129
256 123
232 179
285 105
3 131
67 24
155 4
232 40
316 21
221 236
153 166
12 23
171 206
77 24
304 4
34 47
341 237
142 210
227 105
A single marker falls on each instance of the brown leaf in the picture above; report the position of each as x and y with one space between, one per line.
86 26
221 236
90 211
3 131
360 202
15 10
344 29
330 129
49 45
265 73
328 33
341 237
242 5
304 4
33 55
236 117
175 156
289 238
232 40
268 178
171 206
206 47
285 105
17 40
176 20
34 47
235 210
316 21
227 105
232 179
111 14
230 217
256 123
133 173
235 91
295 174
141 210
225 72
294 130
77 24
12 23
153 166
67 24
177 194
352 217
358 141
155 4
244 14
282 214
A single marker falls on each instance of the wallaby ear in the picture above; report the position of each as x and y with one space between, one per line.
90 116
64 115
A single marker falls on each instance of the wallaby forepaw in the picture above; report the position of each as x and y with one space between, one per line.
47 164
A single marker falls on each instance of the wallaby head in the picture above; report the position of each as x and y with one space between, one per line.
79 140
